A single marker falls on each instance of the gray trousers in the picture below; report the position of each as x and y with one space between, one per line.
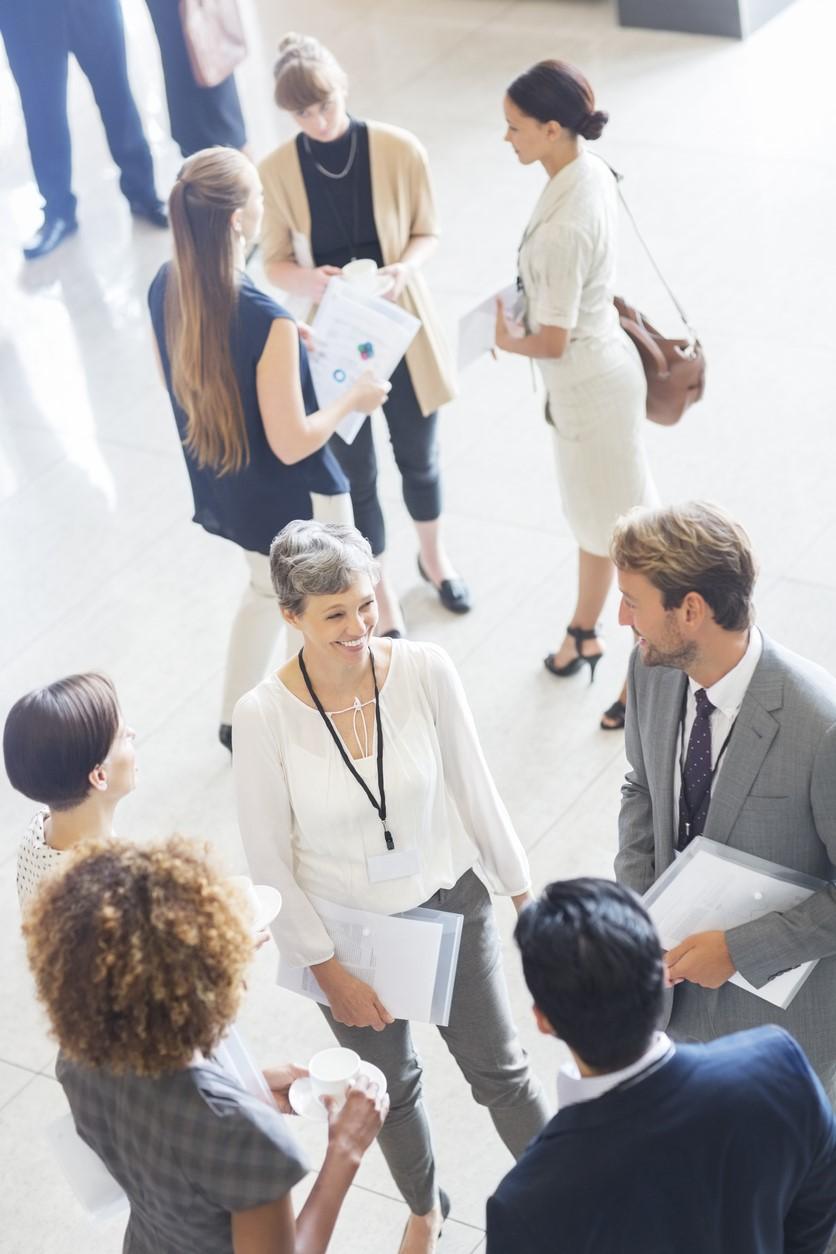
482 1038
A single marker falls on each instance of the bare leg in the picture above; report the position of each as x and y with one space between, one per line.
434 557
421 1233
594 579
389 610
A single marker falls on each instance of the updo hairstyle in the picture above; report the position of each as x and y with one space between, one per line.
305 73
313 559
553 91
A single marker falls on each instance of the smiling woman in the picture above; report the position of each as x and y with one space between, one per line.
360 779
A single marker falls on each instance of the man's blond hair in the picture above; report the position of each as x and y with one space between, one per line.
694 547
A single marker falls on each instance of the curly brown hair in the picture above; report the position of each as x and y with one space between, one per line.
138 953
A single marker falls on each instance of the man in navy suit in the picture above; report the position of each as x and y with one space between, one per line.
725 1148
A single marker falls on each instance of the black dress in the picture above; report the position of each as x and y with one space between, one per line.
200 117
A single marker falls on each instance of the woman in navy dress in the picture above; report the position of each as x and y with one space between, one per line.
236 368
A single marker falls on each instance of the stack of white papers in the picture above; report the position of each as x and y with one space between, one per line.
354 332
477 328
711 887
409 959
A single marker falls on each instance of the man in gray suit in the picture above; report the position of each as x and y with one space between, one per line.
731 736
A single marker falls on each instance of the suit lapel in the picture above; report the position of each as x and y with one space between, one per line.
754 730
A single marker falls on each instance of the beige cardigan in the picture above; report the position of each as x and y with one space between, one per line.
403 207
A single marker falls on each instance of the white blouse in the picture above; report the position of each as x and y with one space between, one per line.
567 255
308 826
35 858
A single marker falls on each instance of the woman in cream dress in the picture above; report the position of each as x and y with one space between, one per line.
594 378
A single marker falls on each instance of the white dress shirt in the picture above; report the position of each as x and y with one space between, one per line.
308 827
572 1087
727 697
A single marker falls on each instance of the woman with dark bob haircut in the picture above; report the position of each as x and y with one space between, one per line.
68 747
139 954
595 384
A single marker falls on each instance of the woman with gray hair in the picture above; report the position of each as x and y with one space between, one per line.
361 780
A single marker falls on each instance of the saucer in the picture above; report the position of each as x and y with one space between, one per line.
269 905
383 283
305 1103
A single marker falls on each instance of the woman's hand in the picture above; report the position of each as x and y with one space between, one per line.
317 280
399 272
352 1001
353 1127
306 335
508 334
279 1080
368 392
521 900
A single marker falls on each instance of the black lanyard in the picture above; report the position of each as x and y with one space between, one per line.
381 805
683 800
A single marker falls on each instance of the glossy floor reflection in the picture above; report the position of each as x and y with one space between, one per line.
732 172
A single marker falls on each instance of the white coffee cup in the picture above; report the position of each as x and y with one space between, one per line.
246 888
362 272
332 1070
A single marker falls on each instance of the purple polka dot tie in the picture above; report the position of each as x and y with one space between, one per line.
695 796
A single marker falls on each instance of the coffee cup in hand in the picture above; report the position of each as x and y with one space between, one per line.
331 1072
362 272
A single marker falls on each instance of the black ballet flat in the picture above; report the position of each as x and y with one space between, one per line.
453 594
225 736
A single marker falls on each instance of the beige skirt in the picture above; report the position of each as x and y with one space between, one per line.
596 400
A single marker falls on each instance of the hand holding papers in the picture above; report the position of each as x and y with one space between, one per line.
713 887
408 959
477 329
355 331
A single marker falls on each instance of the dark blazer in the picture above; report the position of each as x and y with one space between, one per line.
728 1148
775 796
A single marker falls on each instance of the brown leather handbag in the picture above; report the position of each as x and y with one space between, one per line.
675 369
214 36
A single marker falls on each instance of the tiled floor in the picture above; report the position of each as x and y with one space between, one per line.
732 170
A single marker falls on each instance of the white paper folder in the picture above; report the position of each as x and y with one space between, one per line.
409 959
710 886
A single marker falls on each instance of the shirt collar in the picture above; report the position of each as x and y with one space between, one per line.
557 187
572 1087
728 693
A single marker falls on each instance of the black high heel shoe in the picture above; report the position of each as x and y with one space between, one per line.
578 662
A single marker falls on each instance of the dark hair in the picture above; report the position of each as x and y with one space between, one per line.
593 964
693 547
55 736
553 91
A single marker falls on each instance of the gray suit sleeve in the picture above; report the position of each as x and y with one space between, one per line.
761 949
635 862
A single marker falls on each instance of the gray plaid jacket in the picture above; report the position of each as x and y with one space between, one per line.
188 1148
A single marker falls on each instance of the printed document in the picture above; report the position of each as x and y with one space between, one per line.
409 960
713 887
352 333
477 329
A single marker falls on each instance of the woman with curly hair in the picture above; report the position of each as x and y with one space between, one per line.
139 954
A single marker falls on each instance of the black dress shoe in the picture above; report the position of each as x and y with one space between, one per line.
152 211
50 235
453 594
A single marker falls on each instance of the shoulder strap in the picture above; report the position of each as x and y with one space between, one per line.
618 181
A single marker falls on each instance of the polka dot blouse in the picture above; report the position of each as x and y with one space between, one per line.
35 858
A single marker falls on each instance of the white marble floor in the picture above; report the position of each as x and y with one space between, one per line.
732 170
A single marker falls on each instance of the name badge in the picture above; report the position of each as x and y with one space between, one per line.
396 865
